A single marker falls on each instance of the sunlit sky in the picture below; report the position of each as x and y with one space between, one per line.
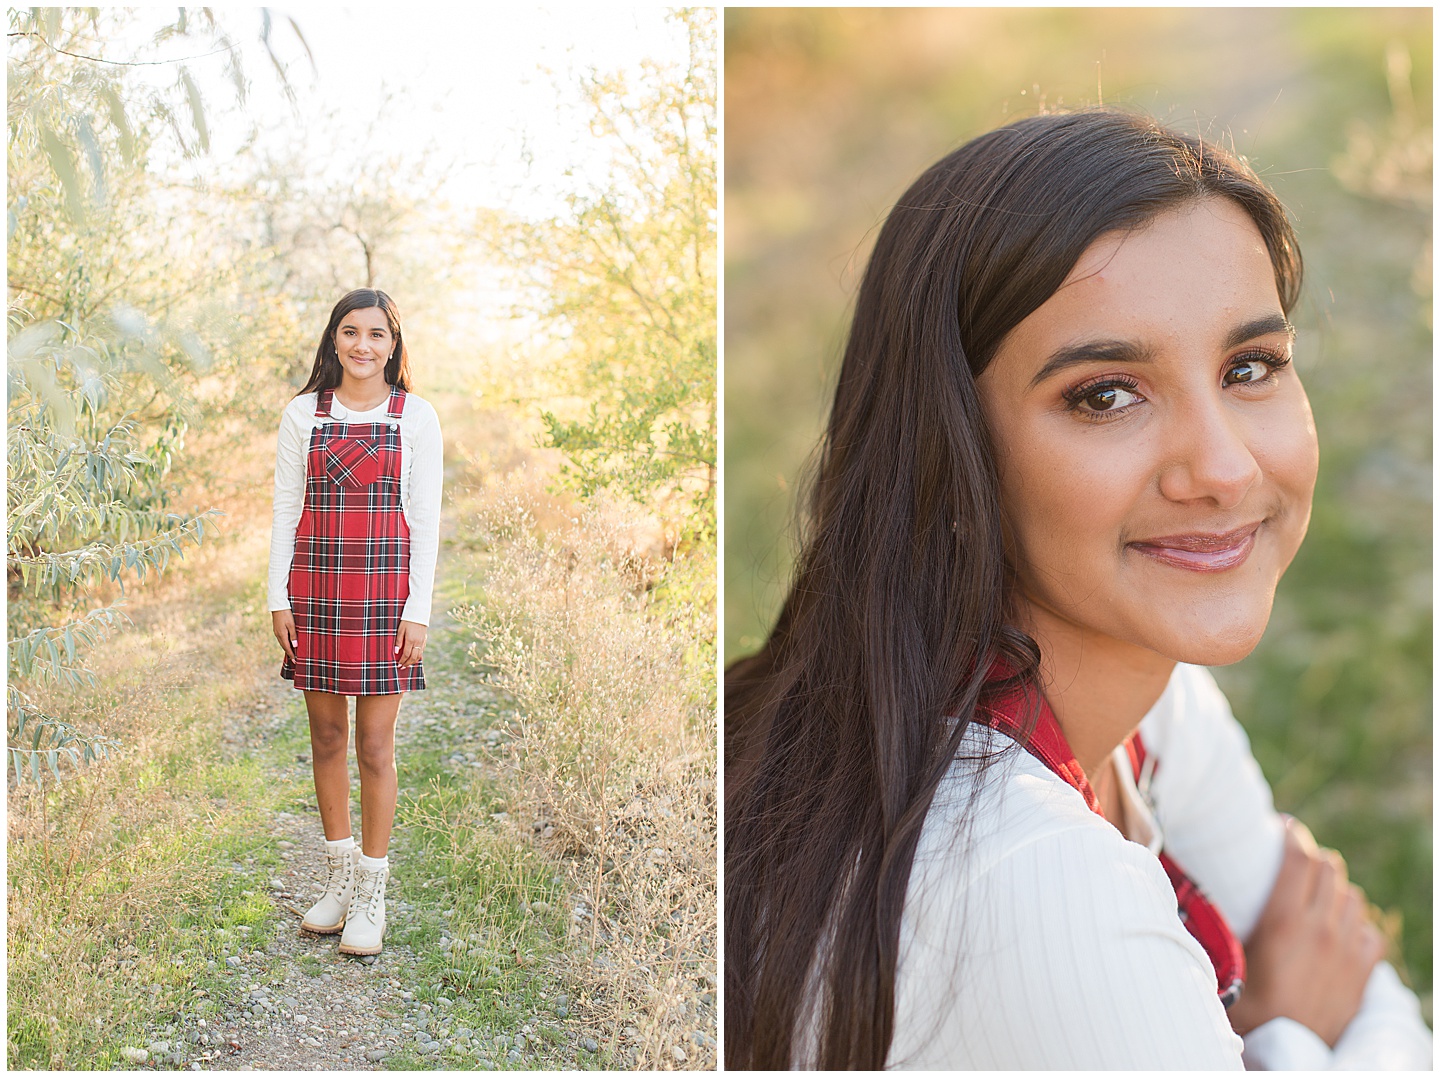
483 84
489 94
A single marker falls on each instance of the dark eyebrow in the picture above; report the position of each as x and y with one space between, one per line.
1129 352
1260 327
1092 352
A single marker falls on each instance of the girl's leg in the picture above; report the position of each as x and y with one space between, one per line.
329 742
375 750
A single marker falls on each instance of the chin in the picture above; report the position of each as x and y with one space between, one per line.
1219 641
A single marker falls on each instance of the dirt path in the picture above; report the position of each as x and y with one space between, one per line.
290 1001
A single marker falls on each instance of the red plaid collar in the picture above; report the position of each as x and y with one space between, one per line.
1010 710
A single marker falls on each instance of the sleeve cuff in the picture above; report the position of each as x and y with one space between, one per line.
1283 1044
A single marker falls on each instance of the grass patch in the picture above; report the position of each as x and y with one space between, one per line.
607 660
132 880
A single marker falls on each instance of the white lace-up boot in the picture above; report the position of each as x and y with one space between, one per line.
365 921
327 916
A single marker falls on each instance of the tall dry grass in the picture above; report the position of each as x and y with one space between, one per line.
109 871
609 660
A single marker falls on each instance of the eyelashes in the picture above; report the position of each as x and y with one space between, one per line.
1103 395
1245 361
1114 394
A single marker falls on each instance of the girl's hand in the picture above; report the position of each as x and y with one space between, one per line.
283 622
410 643
1313 950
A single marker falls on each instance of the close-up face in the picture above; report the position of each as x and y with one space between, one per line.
1155 446
363 342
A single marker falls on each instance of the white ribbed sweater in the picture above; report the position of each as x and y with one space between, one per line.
422 470
1036 936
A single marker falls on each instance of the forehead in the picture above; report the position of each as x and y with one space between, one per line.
1189 275
365 318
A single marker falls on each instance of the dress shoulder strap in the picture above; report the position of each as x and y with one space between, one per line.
322 403
397 403
1008 711
1012 711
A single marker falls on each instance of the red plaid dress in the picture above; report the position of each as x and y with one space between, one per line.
350 575
1006 712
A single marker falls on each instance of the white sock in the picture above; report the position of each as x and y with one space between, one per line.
374 864
346 843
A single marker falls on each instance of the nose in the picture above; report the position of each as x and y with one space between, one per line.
1209 456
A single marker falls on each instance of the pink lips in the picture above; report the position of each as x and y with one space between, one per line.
1200 552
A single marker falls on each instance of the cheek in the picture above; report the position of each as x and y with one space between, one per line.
1289 453
1077 475
1066 497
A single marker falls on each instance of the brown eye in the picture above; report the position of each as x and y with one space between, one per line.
1247 370
1253 367
1106 397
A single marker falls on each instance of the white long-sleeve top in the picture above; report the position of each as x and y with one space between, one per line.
1036 936
422 469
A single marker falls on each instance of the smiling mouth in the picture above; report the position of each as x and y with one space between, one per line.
1201 553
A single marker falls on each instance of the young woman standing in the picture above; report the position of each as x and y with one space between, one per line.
356 531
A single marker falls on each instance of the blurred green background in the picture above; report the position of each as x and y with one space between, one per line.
830 114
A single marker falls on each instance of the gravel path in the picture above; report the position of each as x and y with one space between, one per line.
296 1003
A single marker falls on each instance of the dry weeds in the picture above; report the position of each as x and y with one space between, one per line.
98 865
612 675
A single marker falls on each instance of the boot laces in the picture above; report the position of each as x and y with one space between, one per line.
369 891
340 866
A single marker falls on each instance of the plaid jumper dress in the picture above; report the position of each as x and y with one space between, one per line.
350 575
1005 712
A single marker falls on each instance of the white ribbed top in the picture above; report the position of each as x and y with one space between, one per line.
422 470
1037 936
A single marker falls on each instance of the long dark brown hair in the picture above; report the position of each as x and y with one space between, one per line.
839 730
327 372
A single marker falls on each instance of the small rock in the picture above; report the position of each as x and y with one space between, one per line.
375 1055
429 1048
277 885
590 1044
514 1056
159 1048
134 1055
285 844
233 961
562 1011
368 959
679 1054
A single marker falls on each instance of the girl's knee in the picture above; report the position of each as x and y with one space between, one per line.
376 756
329 738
